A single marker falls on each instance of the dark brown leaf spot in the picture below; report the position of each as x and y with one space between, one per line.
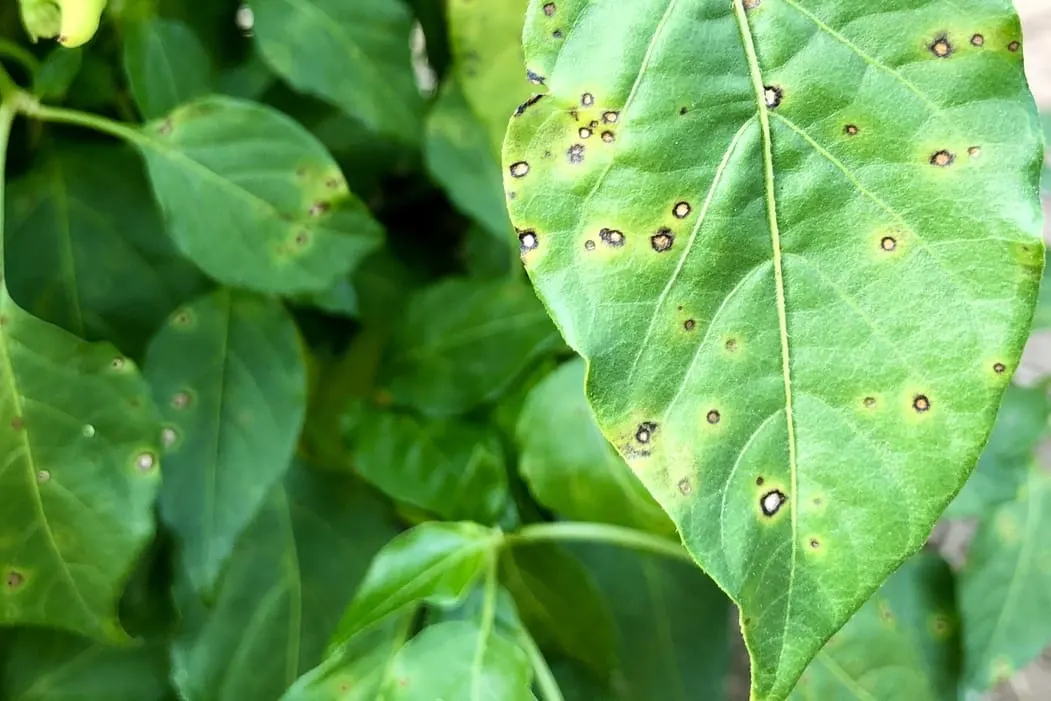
689 325
319 208
999 368
589 245
942 159
869 402
681 210
815 543
575 154
759 481
974 151
772 95
714 417
771 502
610 117
685 488
14 579
662 240
612 237
557 34
888 243
549 9
851 130
645 431
302 238
921 403
731 344
941 47
527 241
587 99
978 40
1014 46
683 110
519 169
608 137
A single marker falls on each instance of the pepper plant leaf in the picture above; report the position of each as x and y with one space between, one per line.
798 243
166 63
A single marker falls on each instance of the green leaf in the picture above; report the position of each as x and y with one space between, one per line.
57 72
253 199
798 245
462 342
352 54
281 594
461 660
560 604
52 666
79 478
486 40
167 65
461 158
902 644
1004 465
1005 587
88 247
229 375
454 469
361 669
569 465
434 562
672 625
1042 319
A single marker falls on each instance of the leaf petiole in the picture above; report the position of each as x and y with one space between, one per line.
33 108
545 680
600 533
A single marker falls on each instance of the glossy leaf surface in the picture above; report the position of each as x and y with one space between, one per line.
254 199
78 479
166 63
229 377
799 245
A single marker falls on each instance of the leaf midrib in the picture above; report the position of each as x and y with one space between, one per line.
782 315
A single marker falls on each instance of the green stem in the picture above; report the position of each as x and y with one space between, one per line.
16 52
8 87
32 108
546 683
600 533
8 110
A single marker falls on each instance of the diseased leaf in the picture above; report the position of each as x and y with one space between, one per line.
452 468
361 669
1042 319
462 342
798 244
434 562
902 644
461 660
281 594
167 65
78 478
560 604
672 625
229 376
1004 464
88 248
253 199
570 466
356 56
461 158
51 666
1005 587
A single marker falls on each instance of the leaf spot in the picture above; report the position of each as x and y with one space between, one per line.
43 476
999 368
575 154
182 318
759 481
683 110
612 237
773 95
1013 46
690 325
587 99
975 152
681 210
15 579
557 34
685 488
731 345
645 431
942 159
527 241
589 245
519 169
751 4
535 78
168 436
584 133
662 240
713 417
851 130
921 403
165 128
527 104
302 238
815 543
145 461
319 208
181 400
978 40
549 9
117 363
941 47
869 402
608 137
888 243
610 117
772 501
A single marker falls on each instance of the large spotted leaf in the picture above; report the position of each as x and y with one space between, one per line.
797 242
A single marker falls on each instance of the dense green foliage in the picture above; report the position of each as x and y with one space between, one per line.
283 417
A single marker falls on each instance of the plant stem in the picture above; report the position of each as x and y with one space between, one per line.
546 683
600 533
11 50
8 87
32 108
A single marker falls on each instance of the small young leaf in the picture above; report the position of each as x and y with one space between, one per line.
80 475
352 54
433 562
799 245
88 246
253 199
454 469
361 669
462 342
570 466
167 65
282 591
1005 587
560 604
902 644
461 660
229 376
51 666
57 72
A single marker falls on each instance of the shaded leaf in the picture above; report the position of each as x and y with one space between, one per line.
461 158
1005 587
51 666
167 65
279 599
356 57
56 73
253 199
1004 465
560 604
462 342
359 670
79 476
903 643
570 466
672 625
454 469
1042 319
433 562
229 376
798 263
89 248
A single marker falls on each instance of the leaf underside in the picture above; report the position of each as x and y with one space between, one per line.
797 242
